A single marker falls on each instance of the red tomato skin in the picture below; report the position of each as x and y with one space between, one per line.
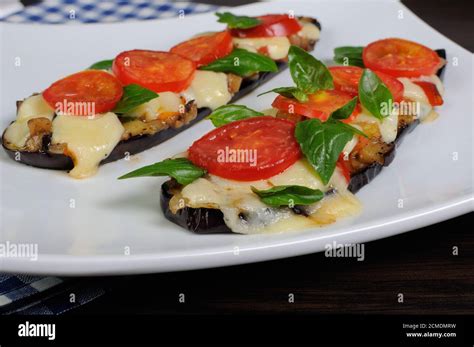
272 139
272 25
321 110
341 164
431 92
90 86
205 49
401 58
156 70
346 79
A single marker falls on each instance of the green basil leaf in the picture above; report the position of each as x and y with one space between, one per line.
181 169
231 113
345 111
237 22
374 95
289 195
321 143
102 65
242 62
308 73
289 92
133 96
348 127
348 55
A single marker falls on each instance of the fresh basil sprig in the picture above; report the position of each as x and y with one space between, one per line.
289 92
289 195
322 142
181 169
348 55
102 65
345 111
237 22
133 96
242 62
230 113
374 95
308 73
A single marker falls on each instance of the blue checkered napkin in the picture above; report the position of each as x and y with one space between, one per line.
92 11
34 295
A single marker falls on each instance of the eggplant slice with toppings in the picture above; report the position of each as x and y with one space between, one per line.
211 221
45 158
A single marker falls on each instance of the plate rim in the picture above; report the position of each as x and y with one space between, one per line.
110 265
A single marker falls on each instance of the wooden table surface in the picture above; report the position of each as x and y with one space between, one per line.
419 264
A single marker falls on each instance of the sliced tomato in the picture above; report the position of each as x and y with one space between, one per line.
341 164
432 92
205 49
319 105
272 25
157 71
98 89
269 141
401 58
346 79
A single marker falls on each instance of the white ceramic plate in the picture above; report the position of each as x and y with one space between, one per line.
432 172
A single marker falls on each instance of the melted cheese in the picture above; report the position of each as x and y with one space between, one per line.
245 213
208 89
166 102
89 140
277 46
33 107
388 126
415 93
309 31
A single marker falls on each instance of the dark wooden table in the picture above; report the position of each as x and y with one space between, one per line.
419 264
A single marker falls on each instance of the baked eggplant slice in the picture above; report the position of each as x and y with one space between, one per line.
46 157
210 221
56 161
360 179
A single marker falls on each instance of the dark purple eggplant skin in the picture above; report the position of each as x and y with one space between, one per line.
197 220
136 144
211 221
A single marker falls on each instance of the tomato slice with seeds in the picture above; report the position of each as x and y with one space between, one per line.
100 89
269 141
432 92
319 105
346 79
205 49
401 58
154 70
272 25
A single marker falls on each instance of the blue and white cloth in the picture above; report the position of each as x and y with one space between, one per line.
29 295
36 295
93 11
